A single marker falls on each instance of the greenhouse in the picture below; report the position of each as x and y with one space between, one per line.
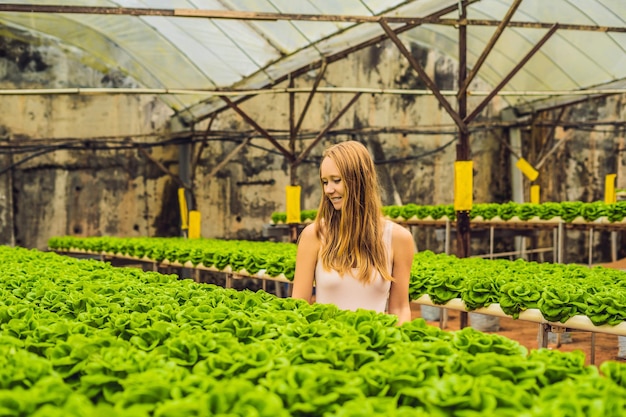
162 166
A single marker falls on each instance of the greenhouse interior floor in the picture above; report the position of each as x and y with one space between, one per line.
527 334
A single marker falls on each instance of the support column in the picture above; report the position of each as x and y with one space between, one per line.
463 151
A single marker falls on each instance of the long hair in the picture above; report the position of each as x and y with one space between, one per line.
353 236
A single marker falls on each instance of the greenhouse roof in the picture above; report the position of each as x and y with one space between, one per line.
190 51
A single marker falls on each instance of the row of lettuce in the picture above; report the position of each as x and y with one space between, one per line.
82 338
559 291
567 211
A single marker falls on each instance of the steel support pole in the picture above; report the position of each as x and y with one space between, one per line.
463 152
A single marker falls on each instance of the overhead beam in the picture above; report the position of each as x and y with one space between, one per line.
342 54
492 42
309 99
511 74
228 157
325 130
424 76
289 90
265 16
209 14
258 128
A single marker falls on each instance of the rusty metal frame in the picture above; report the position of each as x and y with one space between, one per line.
320 135
511 74
265 16
342 54
228 157
258 128
163 168
424 76
492 42
309 99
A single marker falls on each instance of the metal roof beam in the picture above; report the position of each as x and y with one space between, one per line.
309 99
424 76
204 14
511 74
325 130
264 16
492 42
342 54
258 128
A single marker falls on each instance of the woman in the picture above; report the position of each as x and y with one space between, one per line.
354 256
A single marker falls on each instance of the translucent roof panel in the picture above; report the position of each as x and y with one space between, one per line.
200 53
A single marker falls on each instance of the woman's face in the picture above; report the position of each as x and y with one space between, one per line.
332 183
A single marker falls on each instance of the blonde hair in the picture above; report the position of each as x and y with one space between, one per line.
353 236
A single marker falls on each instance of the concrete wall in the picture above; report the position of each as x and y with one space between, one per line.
63 183
588 147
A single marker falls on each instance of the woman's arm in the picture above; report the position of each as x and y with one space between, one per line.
403 248
306 259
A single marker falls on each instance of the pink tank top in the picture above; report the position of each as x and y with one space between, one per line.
347 292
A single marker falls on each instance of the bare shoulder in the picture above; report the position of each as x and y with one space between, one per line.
401 235
308 234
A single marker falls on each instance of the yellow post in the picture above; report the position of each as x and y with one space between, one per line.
182 202
194 224
293 203
527 169
610 196
534 194
463 185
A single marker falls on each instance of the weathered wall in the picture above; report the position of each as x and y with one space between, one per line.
64 185
588 147
84 191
